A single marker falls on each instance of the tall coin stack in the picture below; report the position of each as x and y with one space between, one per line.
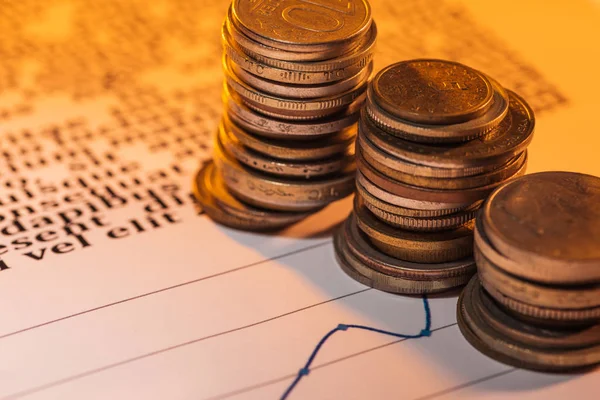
536 301
435 138
296 74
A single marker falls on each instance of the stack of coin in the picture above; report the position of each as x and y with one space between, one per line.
435 138
296 74
536 301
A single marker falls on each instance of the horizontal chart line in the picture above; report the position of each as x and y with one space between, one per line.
167 349
204 278
466 384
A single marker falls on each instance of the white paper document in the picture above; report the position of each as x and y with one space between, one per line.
114 286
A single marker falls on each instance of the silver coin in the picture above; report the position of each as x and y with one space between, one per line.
292 109
250 46
510 138
274 128
296 91
297 25
282 168
442 133
296 72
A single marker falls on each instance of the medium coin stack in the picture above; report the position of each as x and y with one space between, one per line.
435 138
296 74
536 301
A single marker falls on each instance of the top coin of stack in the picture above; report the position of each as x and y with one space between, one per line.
537 248
435 138
295 77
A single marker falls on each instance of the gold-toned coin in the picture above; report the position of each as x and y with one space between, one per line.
549 223
419 247
360 52
386 164
362 248
250 46
424 224
261 190
304 169
485 247
292 109
298 91
502 348
510 138
223 208
435 208
393 284
580 315
273 128
529 292
302 26
408 167
459 197
532 335
449 133
378 203
300 73
430 91
317 149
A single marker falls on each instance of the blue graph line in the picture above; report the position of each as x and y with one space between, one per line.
343 327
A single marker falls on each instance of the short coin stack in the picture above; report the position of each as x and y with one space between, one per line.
536 301
435 138
296 74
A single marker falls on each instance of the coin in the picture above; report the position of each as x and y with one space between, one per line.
265 191
361 54
424 224
223 208
296 25
548 222
501 348
294 151
375 201
362 273
458 132
510 138
420 247
304 169
295 73
580 315
374 259
532 335
299 91
426 208
357 271
463 197
291 109
411 168
432 91
387 165
483 244
250 46
561 297
265 126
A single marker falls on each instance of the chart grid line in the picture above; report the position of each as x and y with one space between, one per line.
466 384
315 368
167 349
166 289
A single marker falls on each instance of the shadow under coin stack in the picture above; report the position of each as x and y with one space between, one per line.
536 301
296 74
435 138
